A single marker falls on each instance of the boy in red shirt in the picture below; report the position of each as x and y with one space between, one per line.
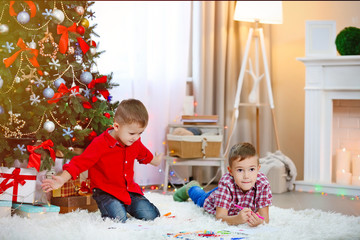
110 160
243 194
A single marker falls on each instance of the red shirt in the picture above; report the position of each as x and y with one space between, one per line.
228 194
111 165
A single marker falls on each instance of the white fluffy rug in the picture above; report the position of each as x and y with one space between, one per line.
187 221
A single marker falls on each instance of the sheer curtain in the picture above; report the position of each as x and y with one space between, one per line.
218 46
147 49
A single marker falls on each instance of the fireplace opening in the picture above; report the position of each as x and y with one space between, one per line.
346 142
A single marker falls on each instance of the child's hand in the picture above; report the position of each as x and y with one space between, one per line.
243 215
254 220
52 184
158 158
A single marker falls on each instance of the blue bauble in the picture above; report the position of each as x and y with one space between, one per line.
86 77
1 110
23 17
48 93
58 82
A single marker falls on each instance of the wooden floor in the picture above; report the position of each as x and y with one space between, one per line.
347 205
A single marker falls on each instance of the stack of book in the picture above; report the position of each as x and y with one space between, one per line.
199 119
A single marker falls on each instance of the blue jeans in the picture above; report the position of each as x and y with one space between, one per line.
111 207
198 195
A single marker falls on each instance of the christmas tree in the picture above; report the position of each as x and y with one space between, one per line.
52 97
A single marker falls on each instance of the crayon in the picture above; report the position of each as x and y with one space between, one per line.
243 208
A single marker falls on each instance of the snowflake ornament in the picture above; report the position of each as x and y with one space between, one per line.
9 46
40 82
34 99
21 148
91 15
87 93
47 13
68 132
54 64
73 93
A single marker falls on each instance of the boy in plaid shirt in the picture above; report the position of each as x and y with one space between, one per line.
243 185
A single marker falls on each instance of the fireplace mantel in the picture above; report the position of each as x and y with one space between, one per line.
327 79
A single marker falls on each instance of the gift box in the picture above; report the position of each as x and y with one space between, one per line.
17 184
70 188
72 203
35 211
5 208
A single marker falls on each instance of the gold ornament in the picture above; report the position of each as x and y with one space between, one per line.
15 123
48 38
29 76
85 23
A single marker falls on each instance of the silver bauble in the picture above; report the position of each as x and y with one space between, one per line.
79 10
86 77
71 50
57 16
1 110
4 29
48 93
78 127
32 44
23 17
49 126
1 82
92 50
17 79
58 82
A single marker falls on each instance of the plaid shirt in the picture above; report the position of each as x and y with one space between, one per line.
228 194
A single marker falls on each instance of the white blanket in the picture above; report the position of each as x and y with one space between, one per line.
274 159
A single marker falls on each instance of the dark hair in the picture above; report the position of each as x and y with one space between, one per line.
131 111
241 151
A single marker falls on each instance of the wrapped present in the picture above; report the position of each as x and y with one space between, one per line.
35 211
69 204
70 188
17 184
5 208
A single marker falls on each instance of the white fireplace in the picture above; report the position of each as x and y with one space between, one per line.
328 81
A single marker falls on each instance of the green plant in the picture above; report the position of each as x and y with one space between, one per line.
348 41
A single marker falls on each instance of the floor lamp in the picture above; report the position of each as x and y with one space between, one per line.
269 12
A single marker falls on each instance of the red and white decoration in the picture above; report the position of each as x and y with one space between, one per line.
18 184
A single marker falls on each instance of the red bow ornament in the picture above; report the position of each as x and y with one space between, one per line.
29 3
32 52
35 158
63 43
103 92
62 90
83 45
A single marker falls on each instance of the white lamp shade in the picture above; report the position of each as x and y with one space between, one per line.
261 11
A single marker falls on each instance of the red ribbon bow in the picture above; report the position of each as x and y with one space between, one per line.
63 43
35 158
103 92
33 53
62 90
83 45
17 179
31 6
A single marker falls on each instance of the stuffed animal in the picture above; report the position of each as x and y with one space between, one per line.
182 132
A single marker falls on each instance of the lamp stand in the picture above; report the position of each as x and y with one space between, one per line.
254 94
